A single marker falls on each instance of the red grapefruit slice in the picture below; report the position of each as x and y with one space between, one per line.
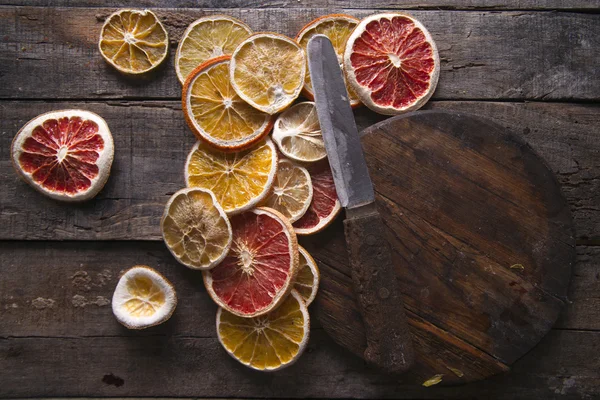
64 154
392 63
325 205
261 266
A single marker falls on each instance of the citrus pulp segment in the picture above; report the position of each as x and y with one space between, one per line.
292 191
267 70
214 111
239 180
143 298
298 134
307 279
65 154
261 266
392 63
270 342
196 229
337 27
325 205
133 41
206 38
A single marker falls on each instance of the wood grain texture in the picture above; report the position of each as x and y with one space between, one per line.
484 55
152 142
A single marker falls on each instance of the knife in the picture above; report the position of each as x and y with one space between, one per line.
389 344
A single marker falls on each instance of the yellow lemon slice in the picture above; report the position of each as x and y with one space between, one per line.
292 191
307 279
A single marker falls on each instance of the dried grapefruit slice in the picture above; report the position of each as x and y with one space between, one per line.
270 342
292 191
307 280
205 38
261 266
196 229
216 114
325 205
298 134
337 27
267 70
133 41
392 63
143 298
239 180
64 154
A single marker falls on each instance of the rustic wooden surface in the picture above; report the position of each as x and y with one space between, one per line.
529 64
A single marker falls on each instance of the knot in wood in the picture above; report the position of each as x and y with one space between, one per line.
383 293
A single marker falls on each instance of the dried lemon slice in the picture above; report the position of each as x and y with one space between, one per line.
292 191
307 279
143 298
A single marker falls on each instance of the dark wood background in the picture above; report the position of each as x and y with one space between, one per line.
532 65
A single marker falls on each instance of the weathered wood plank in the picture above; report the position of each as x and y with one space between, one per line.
152 142
485 55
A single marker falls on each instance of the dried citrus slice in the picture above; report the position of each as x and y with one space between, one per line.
196 229
143 298
216 114
239 180
392 63
307 280
261 266
133 41
270 342
292 191
325 205
337 27
298 134
64 154
206 38
267 70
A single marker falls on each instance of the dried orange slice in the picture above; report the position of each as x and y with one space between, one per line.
267 70
64 154
270 342
133 41
239 180
292 191
196 229
307 280
325 205
143 298
392 63
205 38
216 114
337 27
298 134
261 266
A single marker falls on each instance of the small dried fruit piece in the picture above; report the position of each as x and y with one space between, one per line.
64 154
261 266
298 134
292 191
133 41
270 342
307 280
143 298
196 229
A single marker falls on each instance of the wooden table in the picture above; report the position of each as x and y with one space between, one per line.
532 65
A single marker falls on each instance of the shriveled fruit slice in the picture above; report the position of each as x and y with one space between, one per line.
65 154
337 27
208 37
270 342
267 70
307 280
392 63
325 205
214 111
143 298
261 266
133 41
298 134
292 191
196 229
239 180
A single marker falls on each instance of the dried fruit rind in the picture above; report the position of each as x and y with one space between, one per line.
308 277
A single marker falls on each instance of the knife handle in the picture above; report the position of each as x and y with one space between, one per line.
389 344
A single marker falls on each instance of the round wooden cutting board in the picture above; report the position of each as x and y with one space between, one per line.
481 235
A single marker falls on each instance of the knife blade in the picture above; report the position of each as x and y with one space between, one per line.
389 344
